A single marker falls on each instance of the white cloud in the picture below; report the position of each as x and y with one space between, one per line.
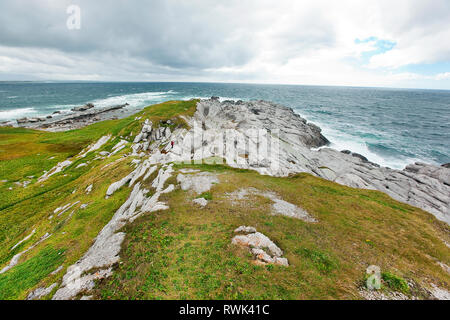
290 41
443 76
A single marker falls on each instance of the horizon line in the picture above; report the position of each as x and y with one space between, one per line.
218 82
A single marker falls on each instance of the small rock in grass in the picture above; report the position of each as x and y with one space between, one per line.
264 249
201 202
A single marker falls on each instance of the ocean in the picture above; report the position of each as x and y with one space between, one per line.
391 127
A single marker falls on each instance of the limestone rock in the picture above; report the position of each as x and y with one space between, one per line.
201 202
199 183
41 292
262 248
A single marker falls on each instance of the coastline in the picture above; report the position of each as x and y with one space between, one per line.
78 118
138 156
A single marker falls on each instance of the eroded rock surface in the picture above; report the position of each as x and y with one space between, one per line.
199 182
218 129
279 207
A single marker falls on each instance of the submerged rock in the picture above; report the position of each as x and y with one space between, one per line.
83 108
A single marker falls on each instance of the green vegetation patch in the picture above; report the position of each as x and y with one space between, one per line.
322 261
395 282
28 274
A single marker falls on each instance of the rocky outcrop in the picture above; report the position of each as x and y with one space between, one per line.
263 249
80 117
199 183
56 169
41 292
202 202
97 145
273 140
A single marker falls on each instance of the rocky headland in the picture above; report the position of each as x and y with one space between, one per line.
301 148
180 163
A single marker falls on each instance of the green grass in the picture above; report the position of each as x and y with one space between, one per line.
186 252
207 196
395 282
320 260
29 273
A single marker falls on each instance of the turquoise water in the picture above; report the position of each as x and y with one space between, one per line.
392 127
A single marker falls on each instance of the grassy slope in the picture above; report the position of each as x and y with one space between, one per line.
26 153
186 252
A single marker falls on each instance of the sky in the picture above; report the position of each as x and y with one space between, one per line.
382 43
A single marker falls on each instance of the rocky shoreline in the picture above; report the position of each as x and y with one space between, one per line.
78 117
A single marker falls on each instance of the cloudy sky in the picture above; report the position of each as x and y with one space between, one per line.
393 43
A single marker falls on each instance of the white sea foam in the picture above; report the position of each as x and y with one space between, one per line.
16 113
135 100
343 141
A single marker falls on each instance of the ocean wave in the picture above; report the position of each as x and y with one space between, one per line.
340 140
16 113
134 100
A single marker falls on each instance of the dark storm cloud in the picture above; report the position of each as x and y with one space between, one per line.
176 34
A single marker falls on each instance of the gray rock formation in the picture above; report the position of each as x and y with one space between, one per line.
264 250
41 292
202 202
293 150
199 183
